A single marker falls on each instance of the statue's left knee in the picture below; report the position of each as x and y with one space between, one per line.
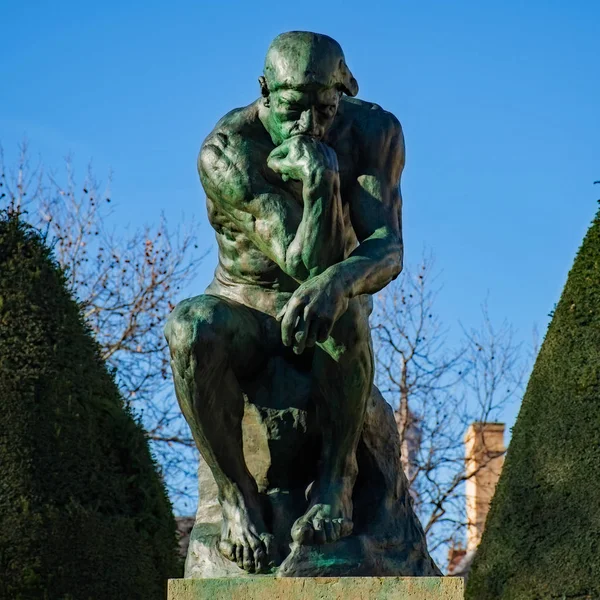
351 334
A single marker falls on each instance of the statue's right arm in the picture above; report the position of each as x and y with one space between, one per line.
267 215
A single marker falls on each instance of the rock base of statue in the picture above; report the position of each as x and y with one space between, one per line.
321 588
281 448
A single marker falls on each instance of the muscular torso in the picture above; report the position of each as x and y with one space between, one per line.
244 272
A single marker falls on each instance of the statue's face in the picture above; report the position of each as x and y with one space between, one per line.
302 112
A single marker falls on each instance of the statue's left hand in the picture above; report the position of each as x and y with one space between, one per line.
309 315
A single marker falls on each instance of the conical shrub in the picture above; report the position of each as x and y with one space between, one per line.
83 511
542 537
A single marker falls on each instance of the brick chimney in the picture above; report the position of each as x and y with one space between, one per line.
455 555
484 456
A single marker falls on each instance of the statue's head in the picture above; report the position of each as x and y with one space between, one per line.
304 77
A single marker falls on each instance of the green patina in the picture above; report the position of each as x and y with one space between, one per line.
303 192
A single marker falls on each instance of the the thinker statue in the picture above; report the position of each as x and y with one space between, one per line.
303 192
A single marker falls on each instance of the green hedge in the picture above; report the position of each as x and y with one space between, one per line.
83 511
542 538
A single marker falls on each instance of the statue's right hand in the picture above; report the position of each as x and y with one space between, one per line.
309 315
303 158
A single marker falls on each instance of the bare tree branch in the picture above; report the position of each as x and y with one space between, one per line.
438 390
126 284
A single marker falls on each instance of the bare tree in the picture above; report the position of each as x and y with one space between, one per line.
126 284
437 390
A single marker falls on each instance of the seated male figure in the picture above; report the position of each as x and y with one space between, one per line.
303 192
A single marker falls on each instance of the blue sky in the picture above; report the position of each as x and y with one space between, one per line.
499 104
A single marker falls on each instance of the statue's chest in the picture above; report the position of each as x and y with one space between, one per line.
347 163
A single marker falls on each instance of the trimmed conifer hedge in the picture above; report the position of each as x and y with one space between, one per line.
542 537
83 511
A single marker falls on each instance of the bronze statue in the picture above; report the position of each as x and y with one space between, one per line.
303 192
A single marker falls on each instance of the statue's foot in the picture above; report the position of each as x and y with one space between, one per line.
321 524
244 537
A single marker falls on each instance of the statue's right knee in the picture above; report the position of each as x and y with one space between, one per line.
196 325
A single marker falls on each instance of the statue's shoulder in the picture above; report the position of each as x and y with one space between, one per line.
369 120
236 127
226 152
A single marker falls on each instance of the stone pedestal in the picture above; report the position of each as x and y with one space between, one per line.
318 588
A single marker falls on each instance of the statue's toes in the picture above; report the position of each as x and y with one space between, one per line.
256 554
261 561
249 565
252 553
317 527
331 535
346 527
321 529
336 529
327 531
227 549
267 544
241 557
303 532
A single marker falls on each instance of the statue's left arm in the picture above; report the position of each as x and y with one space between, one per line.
375 212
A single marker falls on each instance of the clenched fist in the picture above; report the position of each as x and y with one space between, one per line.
301 158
